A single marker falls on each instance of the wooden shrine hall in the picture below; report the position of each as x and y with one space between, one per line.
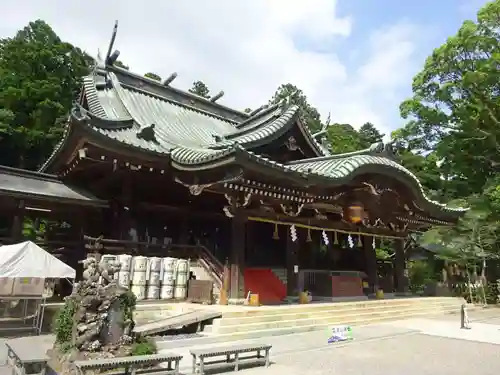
164 166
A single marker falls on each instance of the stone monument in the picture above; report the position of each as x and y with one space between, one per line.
97 319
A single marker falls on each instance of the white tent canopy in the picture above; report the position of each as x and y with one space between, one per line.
27 259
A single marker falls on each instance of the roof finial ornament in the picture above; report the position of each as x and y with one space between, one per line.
112 57
170 79
323 127
216 97
148 134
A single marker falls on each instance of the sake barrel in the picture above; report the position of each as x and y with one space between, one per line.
140 263
125 261
139 291
169 265
154 278
153 292
155 264
167 292
180 292
124 279
181 278
168 279
182 266
139 278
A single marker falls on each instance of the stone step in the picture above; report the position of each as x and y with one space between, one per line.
340 306
209 338
334 319
289 315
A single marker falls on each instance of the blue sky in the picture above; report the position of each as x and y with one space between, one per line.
354 59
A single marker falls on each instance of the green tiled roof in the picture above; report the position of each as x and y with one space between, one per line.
195 138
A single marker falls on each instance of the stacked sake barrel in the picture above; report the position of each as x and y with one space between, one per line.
154 278
139 277
125 262
168 278
181 279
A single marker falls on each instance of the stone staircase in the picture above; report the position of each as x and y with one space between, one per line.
276 320
281 274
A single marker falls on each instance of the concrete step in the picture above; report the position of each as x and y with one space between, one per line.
332 312
333 319
340 306
258 334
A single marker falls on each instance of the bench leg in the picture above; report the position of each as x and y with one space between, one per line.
228 358
202 366
176 372
258 353
236 362
133 371
267 357
194 365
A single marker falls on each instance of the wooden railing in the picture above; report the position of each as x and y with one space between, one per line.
207 260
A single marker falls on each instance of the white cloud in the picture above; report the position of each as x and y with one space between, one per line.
245 48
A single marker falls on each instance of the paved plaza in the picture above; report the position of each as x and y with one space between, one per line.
413 346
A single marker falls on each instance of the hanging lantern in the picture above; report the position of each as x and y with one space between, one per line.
276 235
360 243
335 238
354 213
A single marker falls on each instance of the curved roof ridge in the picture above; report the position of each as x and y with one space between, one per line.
257 115
90 91
277 112
111 68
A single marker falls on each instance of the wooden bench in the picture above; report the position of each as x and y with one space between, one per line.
133 363
25 357
200 355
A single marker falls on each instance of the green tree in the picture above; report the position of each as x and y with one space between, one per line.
294 95
369 134
247 110
120 64
455 108
40 76
154 76
199 88
344 138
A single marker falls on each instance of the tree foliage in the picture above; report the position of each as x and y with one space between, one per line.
154 76
40 76
455 108
452 137
293 95
199 88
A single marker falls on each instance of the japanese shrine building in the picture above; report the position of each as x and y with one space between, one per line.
256 188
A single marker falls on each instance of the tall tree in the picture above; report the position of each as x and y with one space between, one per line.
199 88
154 76
455 108
40 76
344 138
369 134
296 96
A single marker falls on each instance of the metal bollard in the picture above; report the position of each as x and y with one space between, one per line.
464 317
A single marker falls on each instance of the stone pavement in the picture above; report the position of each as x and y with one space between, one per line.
414 346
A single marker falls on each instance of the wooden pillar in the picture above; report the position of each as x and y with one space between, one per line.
17 223
292 261
371 263
400 267
125 214
237 256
